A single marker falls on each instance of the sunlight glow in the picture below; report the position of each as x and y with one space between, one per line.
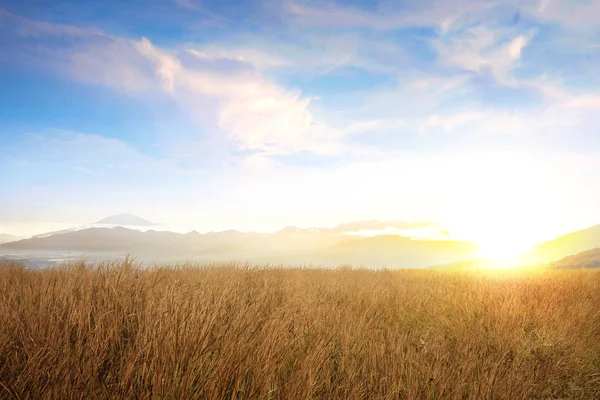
503 255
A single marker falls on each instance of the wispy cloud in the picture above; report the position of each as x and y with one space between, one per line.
242 106
442 14
197 6
578 14
238 90
407 14
480 49
30 27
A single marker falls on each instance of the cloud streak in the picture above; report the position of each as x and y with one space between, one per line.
241 105
426 13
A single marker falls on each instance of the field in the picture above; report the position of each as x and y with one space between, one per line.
118 331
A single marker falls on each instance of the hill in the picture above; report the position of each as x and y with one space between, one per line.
569 244
585 259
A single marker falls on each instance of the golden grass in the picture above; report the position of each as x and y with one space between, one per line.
118 331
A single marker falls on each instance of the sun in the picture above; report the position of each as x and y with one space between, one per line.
504 230
501 254
502 244
503 250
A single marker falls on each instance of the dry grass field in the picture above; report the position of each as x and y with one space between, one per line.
119 331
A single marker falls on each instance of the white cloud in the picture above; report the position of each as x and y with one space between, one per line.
480 49
425 13
515 47
255 57
443 14
255 113
239 105
224 87
575 14
113 63
450 122
301 54
196 5
586 101
562 117
32 28
167 67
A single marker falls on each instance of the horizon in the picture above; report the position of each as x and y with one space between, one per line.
412 226
415 226
259 115
413 230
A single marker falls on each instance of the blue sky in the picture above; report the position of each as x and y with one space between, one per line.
480 114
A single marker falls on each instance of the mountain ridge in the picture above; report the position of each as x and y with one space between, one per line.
321 246
588 259
568 244
280 247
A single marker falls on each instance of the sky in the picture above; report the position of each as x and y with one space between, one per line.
482 115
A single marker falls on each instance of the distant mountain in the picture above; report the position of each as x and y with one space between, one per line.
124 219
569 244
289 246
585 259
60 232
169 245
6 238
95 240
292 245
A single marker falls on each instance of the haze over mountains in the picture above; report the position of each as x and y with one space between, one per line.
5 238
364 242
358 243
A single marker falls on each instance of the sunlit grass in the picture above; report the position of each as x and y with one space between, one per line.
117 331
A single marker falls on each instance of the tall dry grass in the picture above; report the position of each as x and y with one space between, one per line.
117 331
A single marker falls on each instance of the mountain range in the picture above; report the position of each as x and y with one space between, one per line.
291 245
342 244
